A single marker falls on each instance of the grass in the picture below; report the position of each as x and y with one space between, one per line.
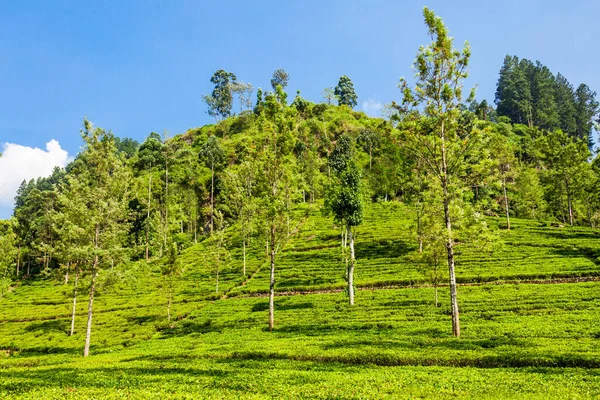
519 339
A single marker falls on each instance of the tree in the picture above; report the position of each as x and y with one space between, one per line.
216 251
280 78
565 104
8 254
586 108
99 186
274 164
239 186
221 100
345 92
370 141
529 193
345 200
212 155
329 95
436 137
243 91
170 269
128 146
502 152
150 155
567 169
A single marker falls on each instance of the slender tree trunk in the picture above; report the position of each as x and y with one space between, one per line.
18 260
569 201
351 267
196 231
67 274
435 283
506 203
170 299
449 240
217 289
74 301
148 218
88 334
166 232
244 255
272 282
212 196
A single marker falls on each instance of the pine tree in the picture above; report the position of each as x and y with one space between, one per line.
437 137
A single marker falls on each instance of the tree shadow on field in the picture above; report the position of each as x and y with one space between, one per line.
424 344
568 234
382 249
142 319
591 254
56 325
282 306
297 282
107 378
191 326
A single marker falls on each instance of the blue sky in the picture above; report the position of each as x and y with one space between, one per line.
141 66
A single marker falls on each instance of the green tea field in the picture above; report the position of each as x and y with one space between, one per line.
529 312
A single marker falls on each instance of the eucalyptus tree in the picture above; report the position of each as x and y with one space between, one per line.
345 200
98 187
170 269
504 163
370 141
274 164
220 101
243 91
213 157
239 186
150 156
431 114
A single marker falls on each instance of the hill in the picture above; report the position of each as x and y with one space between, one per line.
529 314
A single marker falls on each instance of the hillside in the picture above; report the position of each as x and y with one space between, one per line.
529 314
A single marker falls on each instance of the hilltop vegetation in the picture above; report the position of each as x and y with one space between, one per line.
268 252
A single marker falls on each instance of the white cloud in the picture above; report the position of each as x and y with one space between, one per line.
372 107
22 162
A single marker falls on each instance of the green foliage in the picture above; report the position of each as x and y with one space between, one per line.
345 92
220 101
280 78
530 94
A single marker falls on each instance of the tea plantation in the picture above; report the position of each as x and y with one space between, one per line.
530 313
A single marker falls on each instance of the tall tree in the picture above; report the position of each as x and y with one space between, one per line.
150 156
243 91
274 164
239 186
437 137
99 185
345 200
567 168
212 155
565 104
280 78
220 101
586 108
504 162
345 92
